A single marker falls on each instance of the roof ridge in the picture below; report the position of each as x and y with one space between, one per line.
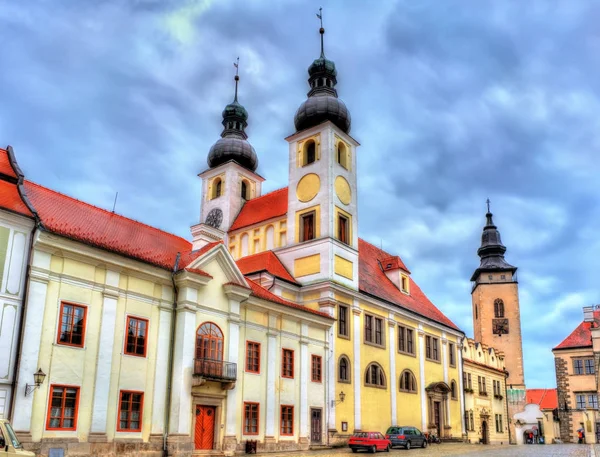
269 193
106 211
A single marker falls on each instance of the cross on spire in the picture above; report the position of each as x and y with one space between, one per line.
488 204
321 31
236 64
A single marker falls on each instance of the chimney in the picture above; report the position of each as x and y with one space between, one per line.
588 314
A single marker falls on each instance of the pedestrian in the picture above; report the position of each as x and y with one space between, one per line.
530 437
583 437
580 436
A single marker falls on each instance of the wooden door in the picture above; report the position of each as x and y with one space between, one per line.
315 425
437 418
204 435
484 432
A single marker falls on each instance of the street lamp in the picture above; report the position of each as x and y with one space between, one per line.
341 400
38 378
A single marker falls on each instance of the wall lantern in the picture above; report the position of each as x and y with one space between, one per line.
38 378
341 400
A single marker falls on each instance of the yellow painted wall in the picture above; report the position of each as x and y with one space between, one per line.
257 238
343 267
308 265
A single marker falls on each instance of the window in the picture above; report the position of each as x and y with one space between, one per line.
469 381
481 385
137 332
217 187
316 368
310 152
499 428
344 369
374 376
471 421
498 307
453 390
252 357
287 420
307 226
287 367
577 366
130 411
452 354
404 282
408 383
405 340
476 315
64 401
431 348
251 411
374 330
593 401
244 190
343 229
580 401
342 156
589 366
71 329
343 327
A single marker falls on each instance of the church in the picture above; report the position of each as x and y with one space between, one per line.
275 326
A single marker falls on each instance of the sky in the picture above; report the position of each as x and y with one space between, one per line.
453 102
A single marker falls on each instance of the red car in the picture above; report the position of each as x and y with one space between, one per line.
369 441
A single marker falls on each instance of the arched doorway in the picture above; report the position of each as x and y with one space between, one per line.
209 350
484 432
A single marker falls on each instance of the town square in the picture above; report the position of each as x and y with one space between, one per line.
276 228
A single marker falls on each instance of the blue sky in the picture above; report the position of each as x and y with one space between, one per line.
453 102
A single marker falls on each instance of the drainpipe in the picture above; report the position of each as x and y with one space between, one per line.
508 418
170 362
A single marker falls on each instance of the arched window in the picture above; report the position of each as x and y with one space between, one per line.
374 376
310 152
408 382
270 233
498 307
244 191
342 155
453 390
245 241
476 313
217 188
344 369
209 350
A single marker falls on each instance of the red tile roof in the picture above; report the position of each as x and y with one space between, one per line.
265 261
393 263
198 271
5 166
373 281
546 398
260 292
11 200
263 208
581 336
97 227
188 257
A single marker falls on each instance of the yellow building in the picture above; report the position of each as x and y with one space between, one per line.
484 381
276 326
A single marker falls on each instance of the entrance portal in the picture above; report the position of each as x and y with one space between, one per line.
315 425
204 433
484 432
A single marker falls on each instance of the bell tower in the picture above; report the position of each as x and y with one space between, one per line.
495 299
322 233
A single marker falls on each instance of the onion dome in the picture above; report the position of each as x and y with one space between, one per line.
323 103
491 250
233 144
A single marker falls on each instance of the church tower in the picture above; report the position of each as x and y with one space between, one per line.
322 198
495 298
230 179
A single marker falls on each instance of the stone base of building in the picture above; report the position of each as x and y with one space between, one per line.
97 446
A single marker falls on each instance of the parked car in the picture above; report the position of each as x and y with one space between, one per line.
406 436
9 444
369 441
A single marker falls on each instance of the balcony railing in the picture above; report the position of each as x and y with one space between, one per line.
218 370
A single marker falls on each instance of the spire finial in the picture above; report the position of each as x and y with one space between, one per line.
321 31
488 204
236 64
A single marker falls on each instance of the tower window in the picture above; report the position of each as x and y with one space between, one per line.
476 314
217 188
343 229
310 152
342 156
404 284
307 226
244 191
498 307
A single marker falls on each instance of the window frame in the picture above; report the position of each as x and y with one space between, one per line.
432 344
342 154
405 339
589 368
305 151
577 368
245 427
370 330
411 380
579 403
290 369
369 376
346 309
309 214
290 412
62 416
348 379
84 327
498 308
119 410
453 390
130 317
316 368
343 232
452 354
247 369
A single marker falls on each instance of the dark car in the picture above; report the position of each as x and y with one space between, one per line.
369 441
406 436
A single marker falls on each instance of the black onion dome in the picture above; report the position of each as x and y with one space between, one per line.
322 65
318 109
491 251
235 110
232 148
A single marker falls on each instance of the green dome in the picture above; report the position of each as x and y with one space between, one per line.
235 110
322 65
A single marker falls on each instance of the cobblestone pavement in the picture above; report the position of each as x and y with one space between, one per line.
456 450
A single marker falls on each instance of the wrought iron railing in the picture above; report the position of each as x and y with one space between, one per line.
215 369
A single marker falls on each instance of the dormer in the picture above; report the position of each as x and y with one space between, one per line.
396 271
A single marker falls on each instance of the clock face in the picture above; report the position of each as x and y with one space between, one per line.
214 218
500 326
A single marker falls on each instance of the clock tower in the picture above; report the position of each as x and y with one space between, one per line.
495 299
230 180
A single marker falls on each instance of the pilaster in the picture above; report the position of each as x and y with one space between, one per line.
162 366
272 370
393 374
424 409
357 368
304 372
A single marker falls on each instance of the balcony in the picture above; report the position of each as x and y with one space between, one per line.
215 370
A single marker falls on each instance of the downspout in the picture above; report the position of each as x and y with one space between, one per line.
508 418
38 225
170 362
